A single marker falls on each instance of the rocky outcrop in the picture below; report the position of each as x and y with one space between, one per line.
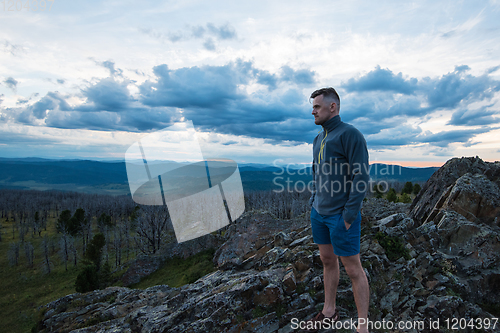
436 259
453 186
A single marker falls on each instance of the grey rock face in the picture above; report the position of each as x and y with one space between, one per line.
440 185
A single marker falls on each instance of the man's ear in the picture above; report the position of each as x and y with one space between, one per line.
333 107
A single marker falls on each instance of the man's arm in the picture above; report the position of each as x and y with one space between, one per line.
313 187
357 157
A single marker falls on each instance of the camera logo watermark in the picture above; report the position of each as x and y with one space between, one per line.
168 168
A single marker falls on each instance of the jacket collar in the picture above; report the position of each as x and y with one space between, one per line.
332 123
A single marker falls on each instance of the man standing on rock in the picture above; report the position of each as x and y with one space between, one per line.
341 175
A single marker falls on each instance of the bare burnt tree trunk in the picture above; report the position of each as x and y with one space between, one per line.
86 229
73 250
21 230
126 224
14 229
108 241
118 242
64 248
45 218
13 253
29 252
45 251
115 244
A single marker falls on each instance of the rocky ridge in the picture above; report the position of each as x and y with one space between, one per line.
437 258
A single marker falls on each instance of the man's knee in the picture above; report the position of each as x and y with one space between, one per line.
354 272
353 268
328 258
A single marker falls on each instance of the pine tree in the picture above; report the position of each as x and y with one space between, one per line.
391 195
92 276
416 189
408 188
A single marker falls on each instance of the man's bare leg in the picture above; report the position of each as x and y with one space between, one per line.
360 288
330 277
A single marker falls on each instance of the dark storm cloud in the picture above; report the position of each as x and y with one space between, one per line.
132 120
481 116
106 95
211 96
301 76
297 131
381 80
380 104
206 87
394 138
51 101
212 86
458 87
376 97
447 91
444 138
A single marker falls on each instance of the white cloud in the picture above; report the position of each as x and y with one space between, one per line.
77 41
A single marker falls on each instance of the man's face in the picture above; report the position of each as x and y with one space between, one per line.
323 110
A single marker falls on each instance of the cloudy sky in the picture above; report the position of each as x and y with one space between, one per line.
87 79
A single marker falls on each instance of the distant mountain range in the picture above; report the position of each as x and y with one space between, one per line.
110 177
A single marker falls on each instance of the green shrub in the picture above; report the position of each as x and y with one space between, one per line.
391 195
408 188
393 246
416 189
405 198
87 280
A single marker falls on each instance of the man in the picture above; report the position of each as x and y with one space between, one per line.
340 174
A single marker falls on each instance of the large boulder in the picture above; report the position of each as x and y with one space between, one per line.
469 186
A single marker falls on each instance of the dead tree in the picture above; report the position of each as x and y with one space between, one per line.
45 251
13 253
64 248
29 252
152 225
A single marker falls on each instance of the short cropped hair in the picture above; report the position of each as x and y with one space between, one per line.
328 93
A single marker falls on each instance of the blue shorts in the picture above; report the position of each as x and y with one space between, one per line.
330 229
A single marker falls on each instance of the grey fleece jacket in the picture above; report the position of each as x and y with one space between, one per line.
340 170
